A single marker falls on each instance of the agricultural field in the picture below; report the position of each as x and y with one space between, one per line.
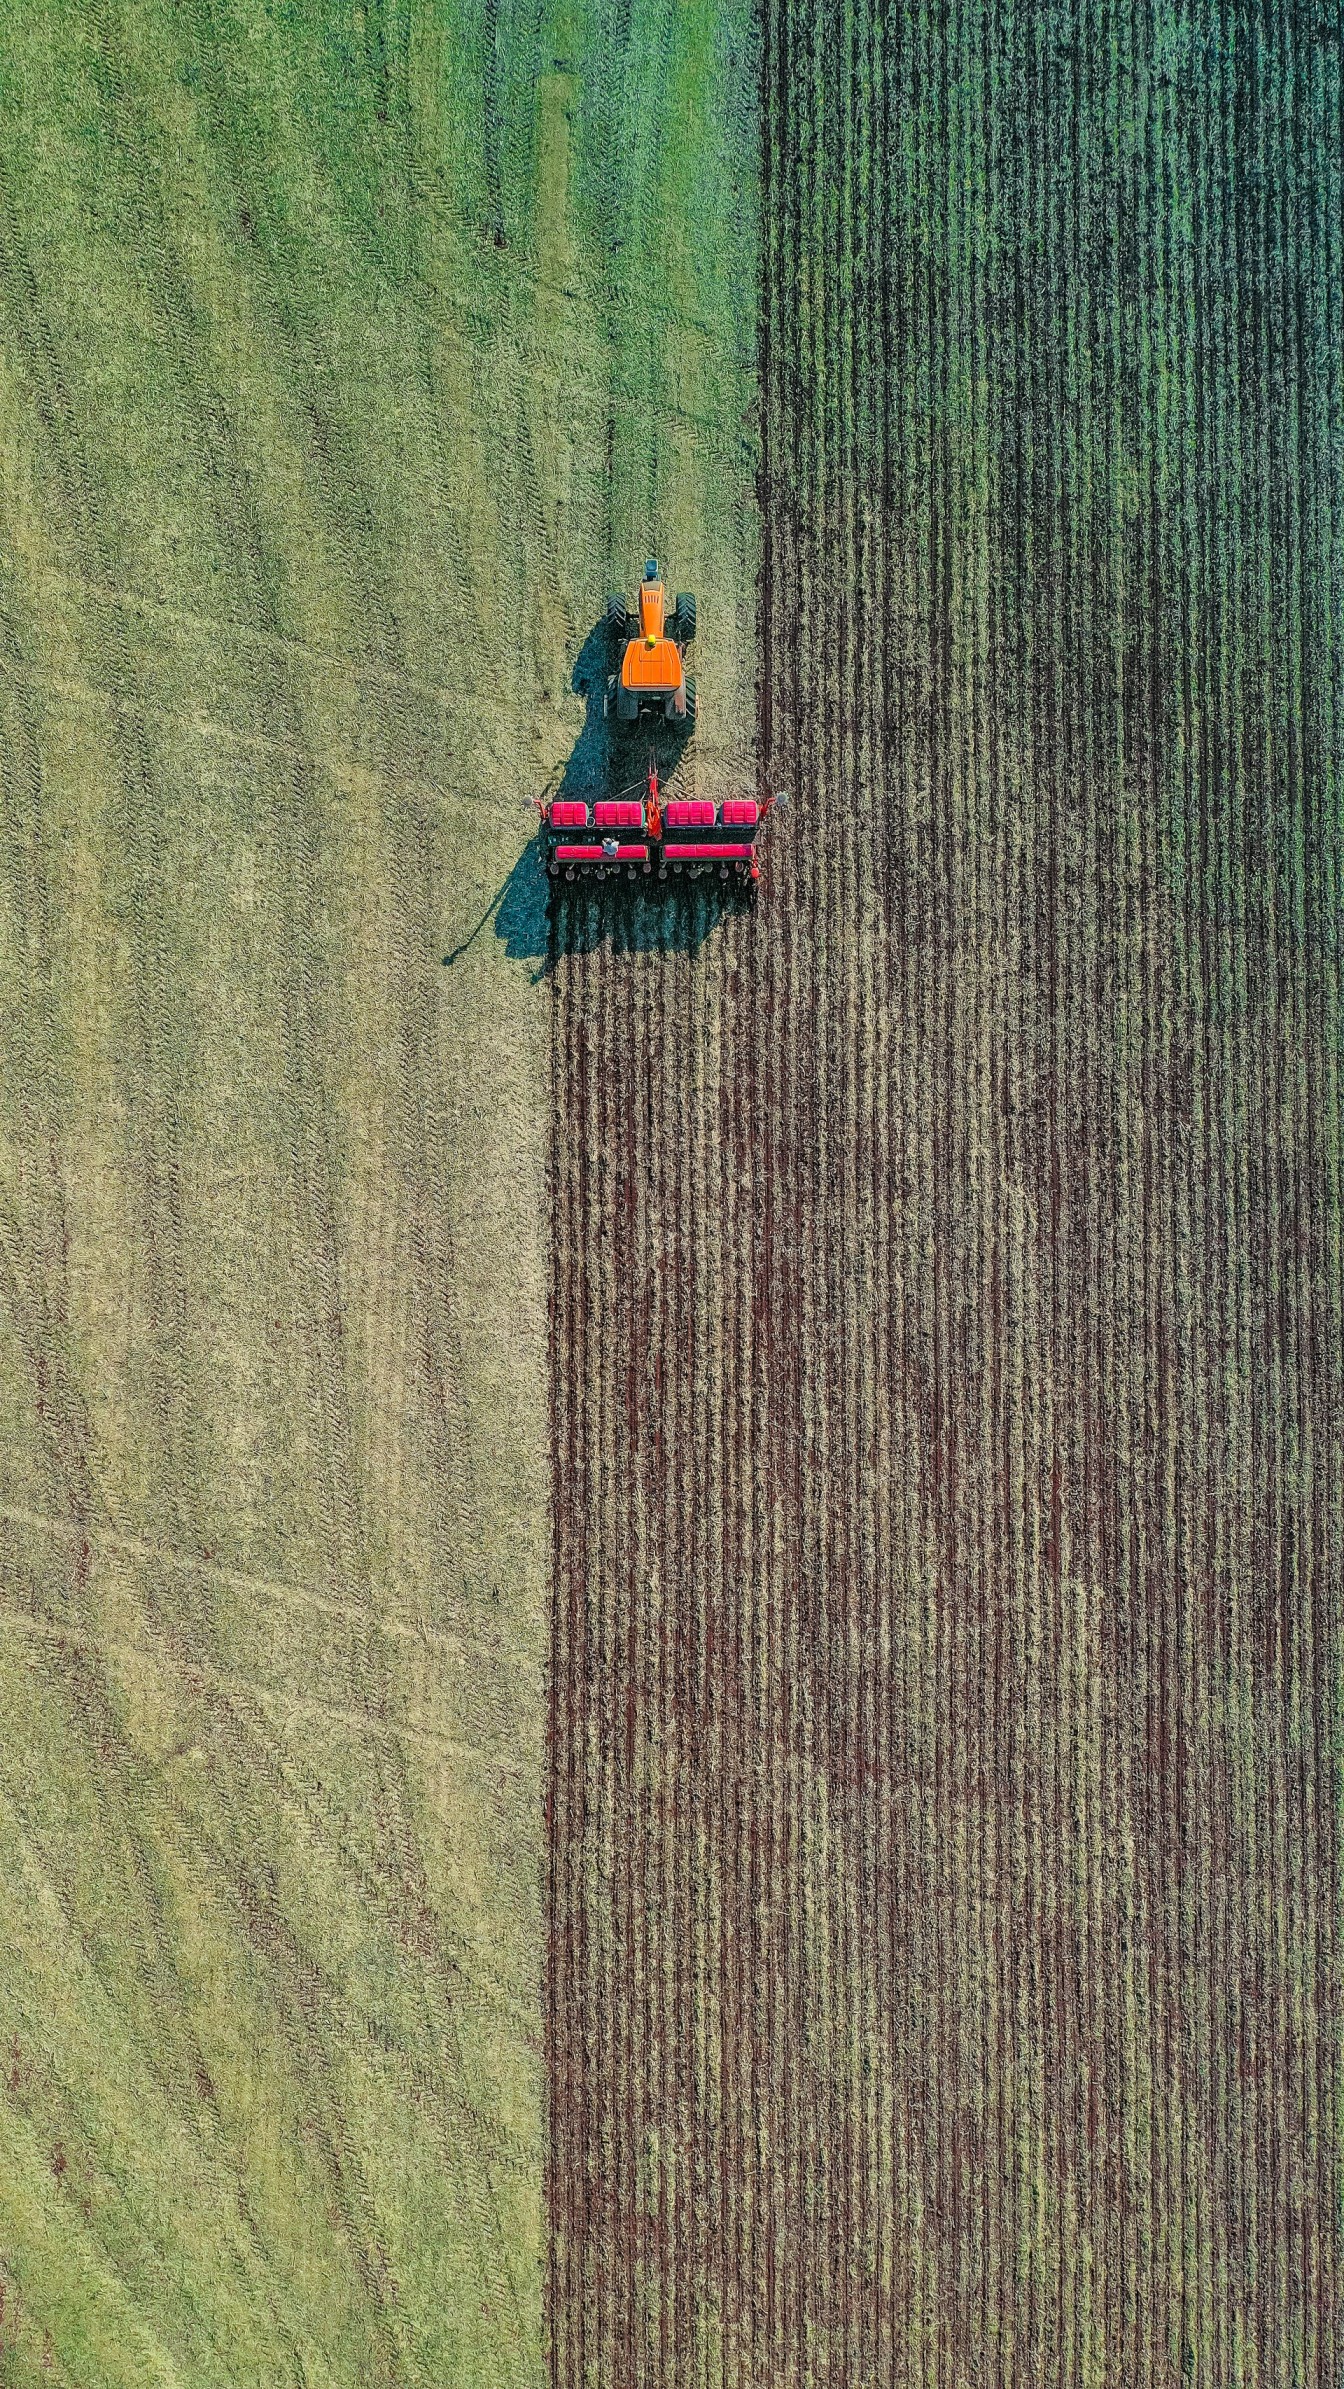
948 1350
671 1574
342 368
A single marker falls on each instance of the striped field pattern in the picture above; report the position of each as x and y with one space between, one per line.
340 353
946 1312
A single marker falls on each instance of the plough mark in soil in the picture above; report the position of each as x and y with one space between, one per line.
946 1301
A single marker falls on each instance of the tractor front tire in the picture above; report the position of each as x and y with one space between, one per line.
618 619
688 718
685 617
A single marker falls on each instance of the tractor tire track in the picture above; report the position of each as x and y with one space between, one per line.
397 1861
349 506
86 1692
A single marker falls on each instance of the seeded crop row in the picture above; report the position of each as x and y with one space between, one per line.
948 1426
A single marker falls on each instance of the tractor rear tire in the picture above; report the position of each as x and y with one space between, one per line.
685 617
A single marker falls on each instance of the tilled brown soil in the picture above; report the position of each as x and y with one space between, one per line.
948 1397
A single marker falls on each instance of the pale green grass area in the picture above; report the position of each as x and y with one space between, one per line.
344 366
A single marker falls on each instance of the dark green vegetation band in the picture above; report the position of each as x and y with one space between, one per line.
948 1306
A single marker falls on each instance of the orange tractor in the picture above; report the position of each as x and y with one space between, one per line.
650 655
638 829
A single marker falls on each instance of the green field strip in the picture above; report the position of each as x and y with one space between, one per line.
305 498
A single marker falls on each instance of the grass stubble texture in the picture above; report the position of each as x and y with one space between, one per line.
341 368
948 1352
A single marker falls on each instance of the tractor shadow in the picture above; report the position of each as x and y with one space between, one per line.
539 919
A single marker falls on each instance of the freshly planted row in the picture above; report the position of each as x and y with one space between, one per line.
947 1302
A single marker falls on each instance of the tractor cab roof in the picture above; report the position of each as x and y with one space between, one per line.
653 666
